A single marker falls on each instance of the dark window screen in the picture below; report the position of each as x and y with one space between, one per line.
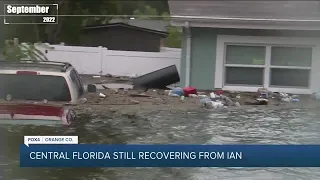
34 87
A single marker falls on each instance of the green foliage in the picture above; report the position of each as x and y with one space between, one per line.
174 38
165 16
146 13
15 51
69 28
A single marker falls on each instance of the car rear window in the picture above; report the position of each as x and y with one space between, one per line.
34 87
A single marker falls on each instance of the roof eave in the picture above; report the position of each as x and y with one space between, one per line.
161 33
248 24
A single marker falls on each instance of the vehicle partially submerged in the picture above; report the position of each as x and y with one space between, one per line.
35 113
38 92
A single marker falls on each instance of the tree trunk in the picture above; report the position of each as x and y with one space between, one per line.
36 31
52 30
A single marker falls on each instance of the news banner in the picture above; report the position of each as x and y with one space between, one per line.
65 151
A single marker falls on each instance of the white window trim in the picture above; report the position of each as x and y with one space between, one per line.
222 40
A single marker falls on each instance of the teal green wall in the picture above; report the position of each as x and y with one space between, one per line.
203 51
183 59
203 54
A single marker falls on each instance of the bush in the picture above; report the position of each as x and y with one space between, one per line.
15 51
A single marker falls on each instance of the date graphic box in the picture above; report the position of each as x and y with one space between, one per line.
31 14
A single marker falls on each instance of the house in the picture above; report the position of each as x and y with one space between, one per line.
246 45
127 35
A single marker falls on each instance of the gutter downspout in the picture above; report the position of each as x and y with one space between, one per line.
188 54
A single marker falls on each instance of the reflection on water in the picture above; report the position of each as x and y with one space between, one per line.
224 127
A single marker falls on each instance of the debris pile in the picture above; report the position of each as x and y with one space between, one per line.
212 101
173 96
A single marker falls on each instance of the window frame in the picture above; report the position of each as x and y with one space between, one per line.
77 82
266 76
290 67
268 42
225 65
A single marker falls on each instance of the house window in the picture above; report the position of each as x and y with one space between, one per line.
281 64
290 66
244 65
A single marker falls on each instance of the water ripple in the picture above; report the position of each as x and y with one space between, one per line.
251 126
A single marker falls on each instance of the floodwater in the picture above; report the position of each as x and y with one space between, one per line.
250 126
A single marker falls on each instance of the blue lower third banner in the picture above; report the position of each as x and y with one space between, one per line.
86 155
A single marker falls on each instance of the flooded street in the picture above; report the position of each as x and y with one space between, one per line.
250 126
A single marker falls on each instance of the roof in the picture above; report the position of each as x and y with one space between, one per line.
302 15
157 25
121 24
29 65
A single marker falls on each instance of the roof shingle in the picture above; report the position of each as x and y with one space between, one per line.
298 10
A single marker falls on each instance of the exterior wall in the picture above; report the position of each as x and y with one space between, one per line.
183 59
203 51
99 60
122 38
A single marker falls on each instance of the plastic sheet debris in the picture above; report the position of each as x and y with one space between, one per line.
212 95
262 101
227 101
237 104
82 100
202 96
290 99
134 102
317 95
204 100
173 94
177 91
287 98
215 104
258 101
210 104
193 95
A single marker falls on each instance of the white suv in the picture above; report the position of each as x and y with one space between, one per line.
38 81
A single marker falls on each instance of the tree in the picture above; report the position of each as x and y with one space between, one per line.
69 28
15 51
146 13
174 37
174 33
69 25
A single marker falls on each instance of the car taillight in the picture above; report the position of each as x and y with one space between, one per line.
27 72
